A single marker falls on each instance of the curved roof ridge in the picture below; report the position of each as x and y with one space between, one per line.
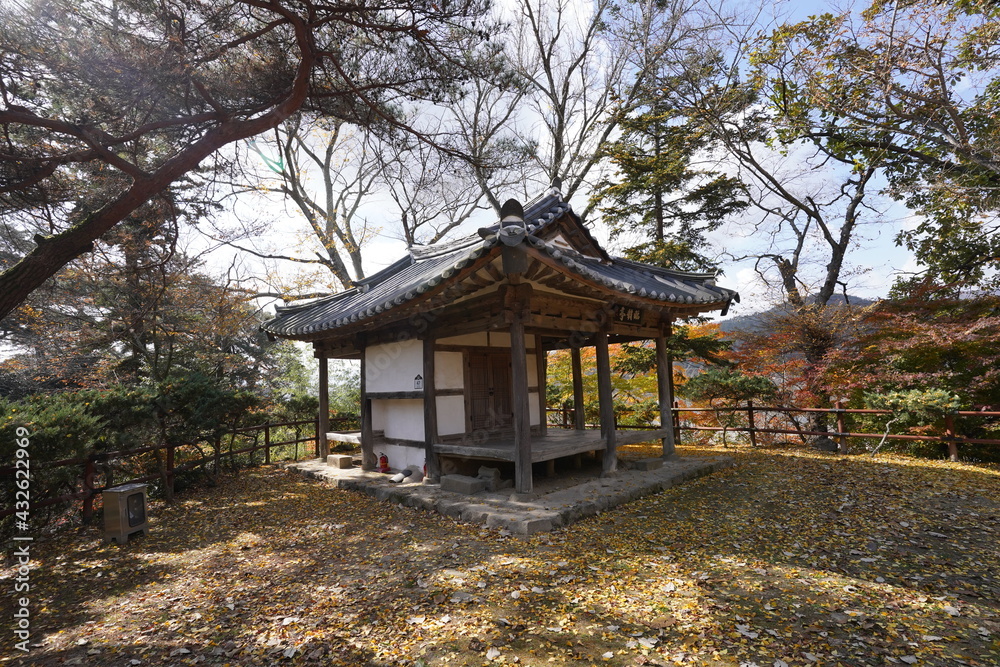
705 275
302 304
378 276
686 288
420 253
422 270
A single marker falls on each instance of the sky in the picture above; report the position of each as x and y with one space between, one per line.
873 264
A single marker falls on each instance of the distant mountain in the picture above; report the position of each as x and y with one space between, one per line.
753 320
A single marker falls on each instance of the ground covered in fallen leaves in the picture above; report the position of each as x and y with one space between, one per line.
787 558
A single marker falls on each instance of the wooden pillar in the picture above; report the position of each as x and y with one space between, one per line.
368 461
842 445
605 397
430 413
578 412
324 407
951 437
541 363
516 297
664 372
521 405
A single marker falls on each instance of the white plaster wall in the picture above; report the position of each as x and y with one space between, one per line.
379 409
448 371
404 419
451 415
499 339
401 456
531 361
533 411
393 366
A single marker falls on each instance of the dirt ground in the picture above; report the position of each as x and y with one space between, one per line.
788 558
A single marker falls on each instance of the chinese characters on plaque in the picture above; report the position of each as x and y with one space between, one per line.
628 314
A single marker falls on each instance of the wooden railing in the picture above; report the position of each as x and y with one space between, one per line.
950 436
96 465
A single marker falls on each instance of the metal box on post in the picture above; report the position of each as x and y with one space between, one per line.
125 512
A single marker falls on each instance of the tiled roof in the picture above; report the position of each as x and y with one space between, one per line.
425 268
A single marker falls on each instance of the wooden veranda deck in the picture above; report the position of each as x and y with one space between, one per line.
556 443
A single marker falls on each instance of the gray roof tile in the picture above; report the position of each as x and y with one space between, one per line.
427 267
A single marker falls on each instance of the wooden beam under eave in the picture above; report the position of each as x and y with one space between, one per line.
335 348
605 396
494 272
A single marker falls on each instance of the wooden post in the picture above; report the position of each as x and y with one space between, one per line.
368 460
676 421
751 425
520 404
664 369
951 437
605 397
541 363
579 414
430 413
89 471
324 408
267 443
841 429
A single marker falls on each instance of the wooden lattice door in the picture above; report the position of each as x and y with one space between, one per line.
489 391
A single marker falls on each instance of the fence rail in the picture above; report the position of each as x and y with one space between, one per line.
89 488
949 436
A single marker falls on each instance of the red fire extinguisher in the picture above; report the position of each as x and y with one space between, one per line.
383 463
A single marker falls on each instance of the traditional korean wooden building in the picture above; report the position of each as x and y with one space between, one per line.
452 340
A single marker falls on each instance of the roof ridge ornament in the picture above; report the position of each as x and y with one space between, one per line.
511 213
512 227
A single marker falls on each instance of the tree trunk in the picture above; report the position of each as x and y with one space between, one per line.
54 252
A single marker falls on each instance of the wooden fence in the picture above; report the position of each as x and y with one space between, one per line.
98 464
751 415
